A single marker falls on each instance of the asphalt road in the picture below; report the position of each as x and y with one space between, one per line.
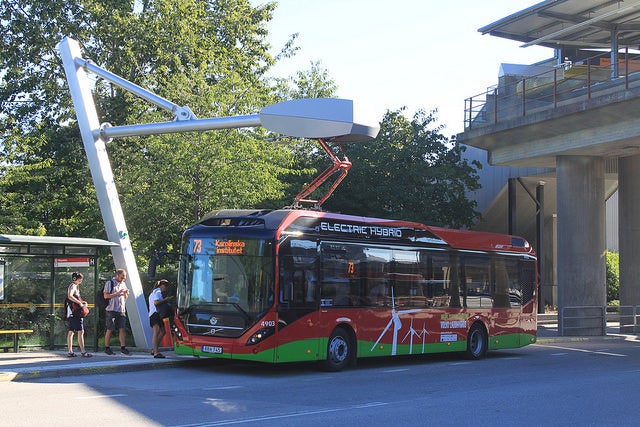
586 383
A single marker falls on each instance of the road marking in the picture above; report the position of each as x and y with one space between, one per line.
609 354
231 387
580 350
390 371
319 378
282 416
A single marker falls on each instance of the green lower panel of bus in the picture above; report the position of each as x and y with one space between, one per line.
315 349
297 351
510 341
188 351
265 356
369 349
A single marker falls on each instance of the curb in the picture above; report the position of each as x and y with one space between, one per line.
547 340
35 373
38 372
7 376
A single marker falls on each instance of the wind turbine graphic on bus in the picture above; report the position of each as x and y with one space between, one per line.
397 324
422 334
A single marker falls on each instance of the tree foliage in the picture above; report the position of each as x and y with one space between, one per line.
213 57
209 55
613 277
410 171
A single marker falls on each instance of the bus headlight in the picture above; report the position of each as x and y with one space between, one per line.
260 336
177 333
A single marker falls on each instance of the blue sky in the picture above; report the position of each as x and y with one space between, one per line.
415 53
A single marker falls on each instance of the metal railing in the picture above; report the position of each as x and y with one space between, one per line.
564 84
584 320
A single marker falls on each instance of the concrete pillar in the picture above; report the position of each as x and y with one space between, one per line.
629 238
581 245
540 243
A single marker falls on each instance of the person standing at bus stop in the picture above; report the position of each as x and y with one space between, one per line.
116 292
156 299
76 323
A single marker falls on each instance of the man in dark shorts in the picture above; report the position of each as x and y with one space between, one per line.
116 292
155 320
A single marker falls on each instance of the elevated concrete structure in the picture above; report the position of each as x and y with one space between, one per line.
575 114
605 125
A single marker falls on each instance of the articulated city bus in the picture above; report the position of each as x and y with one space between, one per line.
302 285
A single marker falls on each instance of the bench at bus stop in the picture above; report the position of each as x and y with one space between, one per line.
15 333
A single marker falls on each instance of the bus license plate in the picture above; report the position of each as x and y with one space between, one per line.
210 349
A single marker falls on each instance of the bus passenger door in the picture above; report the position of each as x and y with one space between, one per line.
298 338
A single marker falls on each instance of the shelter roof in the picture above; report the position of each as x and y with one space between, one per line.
572 23
12 239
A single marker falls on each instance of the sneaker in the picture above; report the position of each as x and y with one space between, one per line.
159 356
72 354
108 351
85 354
125 352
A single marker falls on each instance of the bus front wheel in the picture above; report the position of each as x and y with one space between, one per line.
338 351
477 342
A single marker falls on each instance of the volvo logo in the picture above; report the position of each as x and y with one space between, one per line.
213 320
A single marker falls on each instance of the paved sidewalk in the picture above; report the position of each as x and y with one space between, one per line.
26 364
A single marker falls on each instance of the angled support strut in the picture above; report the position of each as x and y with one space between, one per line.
341 167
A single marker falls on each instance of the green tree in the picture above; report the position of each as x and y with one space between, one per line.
613 278
209 55
307 156
410 171
46 185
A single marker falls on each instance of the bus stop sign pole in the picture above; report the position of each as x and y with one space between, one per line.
329 119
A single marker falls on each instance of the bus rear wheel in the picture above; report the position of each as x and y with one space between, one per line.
338 351
477 342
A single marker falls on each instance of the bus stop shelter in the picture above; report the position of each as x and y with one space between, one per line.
35 272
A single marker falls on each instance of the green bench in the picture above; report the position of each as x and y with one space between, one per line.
15 333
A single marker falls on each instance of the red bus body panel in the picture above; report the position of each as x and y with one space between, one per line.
381 331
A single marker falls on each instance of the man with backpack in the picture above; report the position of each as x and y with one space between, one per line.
116 293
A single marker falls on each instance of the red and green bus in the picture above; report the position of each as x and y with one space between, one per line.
301 285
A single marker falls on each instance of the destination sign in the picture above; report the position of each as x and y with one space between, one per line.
229 247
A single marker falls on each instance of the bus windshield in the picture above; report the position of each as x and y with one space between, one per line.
219 272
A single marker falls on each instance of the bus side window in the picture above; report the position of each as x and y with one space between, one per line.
378 290
298 287
501 291
456 292
311 285
442 288
286 290
527 280
300 290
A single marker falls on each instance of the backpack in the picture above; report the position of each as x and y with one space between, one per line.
101 301
66 308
